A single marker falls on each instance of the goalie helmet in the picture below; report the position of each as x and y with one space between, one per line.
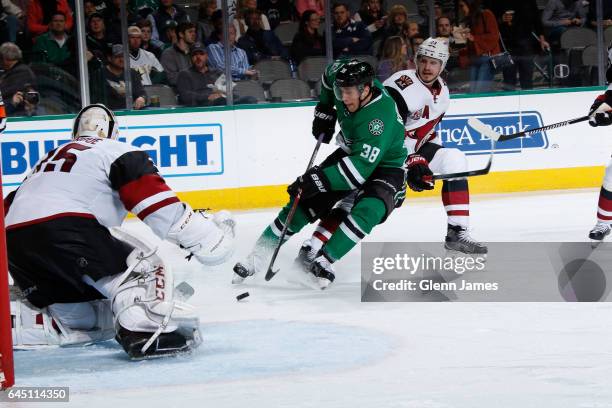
434 48
95 120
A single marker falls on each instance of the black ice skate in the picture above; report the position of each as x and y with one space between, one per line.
458 239
241 272
322 271
600 231
166 344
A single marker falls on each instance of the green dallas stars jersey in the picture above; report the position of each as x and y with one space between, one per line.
373 136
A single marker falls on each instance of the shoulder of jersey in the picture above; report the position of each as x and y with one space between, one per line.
405 80
110 147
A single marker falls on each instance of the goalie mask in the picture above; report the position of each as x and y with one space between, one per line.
95 120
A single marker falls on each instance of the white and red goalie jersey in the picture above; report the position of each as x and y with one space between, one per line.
94 178
421 106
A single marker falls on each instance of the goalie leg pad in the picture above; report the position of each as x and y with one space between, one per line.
143 302
60 324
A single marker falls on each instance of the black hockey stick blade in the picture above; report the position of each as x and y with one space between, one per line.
270 273
470 173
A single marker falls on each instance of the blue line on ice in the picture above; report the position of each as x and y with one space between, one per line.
231 351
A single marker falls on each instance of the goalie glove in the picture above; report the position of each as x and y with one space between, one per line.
311 183
420 177
600 113
208 237
324 122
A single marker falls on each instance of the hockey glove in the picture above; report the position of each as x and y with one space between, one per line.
600 113
420 177
324 122
311 183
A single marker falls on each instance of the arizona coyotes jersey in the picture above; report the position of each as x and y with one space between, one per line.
94 178
422 107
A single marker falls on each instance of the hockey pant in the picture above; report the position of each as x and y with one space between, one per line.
604 207
373 203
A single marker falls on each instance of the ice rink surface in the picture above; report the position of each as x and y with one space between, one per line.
289 346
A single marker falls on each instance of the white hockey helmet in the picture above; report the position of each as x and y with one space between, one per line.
434 48
95 120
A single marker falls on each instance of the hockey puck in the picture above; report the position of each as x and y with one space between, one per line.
242 296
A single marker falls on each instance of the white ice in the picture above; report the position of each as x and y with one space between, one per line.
288 346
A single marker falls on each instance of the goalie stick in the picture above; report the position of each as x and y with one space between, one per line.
270 273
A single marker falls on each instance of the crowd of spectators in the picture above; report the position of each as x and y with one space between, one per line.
170 46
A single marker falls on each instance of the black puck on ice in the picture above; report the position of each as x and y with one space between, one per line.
242 296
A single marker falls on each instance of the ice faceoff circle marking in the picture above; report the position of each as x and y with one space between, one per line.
240 350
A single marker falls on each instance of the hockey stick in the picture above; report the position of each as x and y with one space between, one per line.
270 273
485 130
493 135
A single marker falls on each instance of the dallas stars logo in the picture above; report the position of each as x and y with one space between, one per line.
376 127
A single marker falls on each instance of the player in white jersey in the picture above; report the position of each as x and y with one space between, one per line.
422 99
601 115
84 278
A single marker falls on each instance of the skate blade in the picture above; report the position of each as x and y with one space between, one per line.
156 356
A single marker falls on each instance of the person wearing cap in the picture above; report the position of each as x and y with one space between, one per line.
169 31
142 61
109 87
54 46
197 85
169 11
177 58
98 43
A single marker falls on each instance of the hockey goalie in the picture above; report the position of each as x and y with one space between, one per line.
79 277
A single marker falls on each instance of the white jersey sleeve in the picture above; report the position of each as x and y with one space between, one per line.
422 107
95 178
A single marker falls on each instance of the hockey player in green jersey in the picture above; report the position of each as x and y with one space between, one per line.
370 162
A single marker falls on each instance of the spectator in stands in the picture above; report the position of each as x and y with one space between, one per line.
205 19
307 42
258 43
97 41
372 15
410 30
40 13
398 16
240 19
25 103
54 46
169 31
168 11
176 58
197 85
154 47
240 67
607 14
483 41
559 15
518 20
277 11
444 29
144 10
10 17
217 33
16 74
394 58
113 23
142 61
111 89
317 5
349 37
102 7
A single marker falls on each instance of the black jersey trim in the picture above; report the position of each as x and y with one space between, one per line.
130 166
